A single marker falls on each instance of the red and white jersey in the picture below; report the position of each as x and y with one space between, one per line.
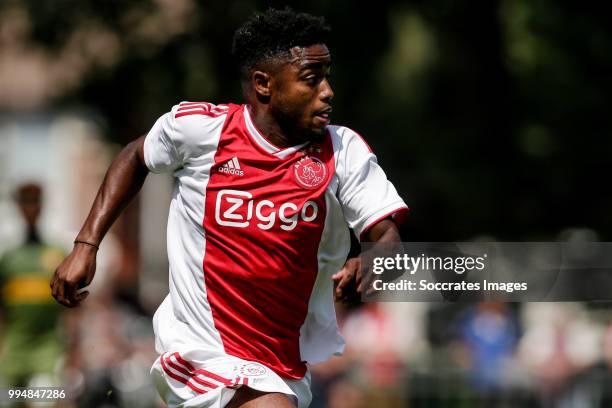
255 233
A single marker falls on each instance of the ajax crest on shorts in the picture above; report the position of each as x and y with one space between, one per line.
252 370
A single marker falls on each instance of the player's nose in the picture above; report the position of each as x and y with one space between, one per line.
327 93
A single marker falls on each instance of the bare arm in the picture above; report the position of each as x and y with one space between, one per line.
122 181
384 231
348 279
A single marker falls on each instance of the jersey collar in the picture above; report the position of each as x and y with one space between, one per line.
263 142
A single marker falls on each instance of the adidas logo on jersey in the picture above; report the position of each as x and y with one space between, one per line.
232 166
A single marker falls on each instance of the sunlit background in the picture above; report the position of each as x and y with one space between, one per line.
491 118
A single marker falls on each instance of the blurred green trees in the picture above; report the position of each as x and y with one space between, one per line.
491 117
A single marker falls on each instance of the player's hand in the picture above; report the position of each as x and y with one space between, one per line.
347 281
75 272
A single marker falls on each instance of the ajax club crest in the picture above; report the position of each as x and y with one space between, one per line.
252 370
310 172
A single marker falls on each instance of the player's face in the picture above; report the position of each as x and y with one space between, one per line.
301 95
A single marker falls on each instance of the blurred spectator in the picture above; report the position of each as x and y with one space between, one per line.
375 350
561 344
381 340
489 336
31 335
346 394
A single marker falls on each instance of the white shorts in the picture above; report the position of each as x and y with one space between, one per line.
192 379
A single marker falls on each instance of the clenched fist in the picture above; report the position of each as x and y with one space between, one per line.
74 273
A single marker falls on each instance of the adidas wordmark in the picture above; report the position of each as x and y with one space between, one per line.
232 166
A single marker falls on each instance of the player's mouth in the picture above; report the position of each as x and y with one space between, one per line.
322 116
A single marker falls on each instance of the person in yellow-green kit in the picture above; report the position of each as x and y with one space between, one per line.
31 335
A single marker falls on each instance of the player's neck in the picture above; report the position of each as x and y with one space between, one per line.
269 127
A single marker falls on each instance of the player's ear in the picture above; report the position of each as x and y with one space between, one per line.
261 83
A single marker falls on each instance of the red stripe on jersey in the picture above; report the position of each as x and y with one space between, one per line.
179 378
194 103
262 237
212 114
201 108
399 216
195 112
182 108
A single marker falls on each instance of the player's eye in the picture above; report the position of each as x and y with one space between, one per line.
312 79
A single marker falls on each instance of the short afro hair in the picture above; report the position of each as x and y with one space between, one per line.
272 34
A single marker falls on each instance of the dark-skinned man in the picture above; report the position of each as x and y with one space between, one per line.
257 230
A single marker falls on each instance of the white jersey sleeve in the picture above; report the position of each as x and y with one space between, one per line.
160 151
364 192
182 136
